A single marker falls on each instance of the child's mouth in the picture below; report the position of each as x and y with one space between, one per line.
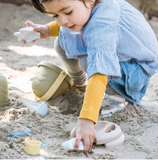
72 27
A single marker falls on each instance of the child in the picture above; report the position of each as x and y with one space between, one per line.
113 44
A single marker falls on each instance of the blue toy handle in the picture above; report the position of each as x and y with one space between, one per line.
18 134
43 145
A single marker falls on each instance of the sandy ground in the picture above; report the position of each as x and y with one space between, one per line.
18 63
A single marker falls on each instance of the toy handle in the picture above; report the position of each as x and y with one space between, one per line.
107 134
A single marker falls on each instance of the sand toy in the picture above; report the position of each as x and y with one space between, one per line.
32 147
50 81
112 104
20 133
40 107
27 34
71 143
107 133
4 99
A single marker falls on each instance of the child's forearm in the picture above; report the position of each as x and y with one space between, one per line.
93 97
54 29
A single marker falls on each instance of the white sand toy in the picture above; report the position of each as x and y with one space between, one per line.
27 34
71 143
110 110
107 133
112 104
40 107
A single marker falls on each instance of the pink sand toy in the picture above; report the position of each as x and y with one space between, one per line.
107 133
27 34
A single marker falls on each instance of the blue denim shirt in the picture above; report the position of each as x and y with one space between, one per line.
115 32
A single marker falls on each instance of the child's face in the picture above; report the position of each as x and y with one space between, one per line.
72 14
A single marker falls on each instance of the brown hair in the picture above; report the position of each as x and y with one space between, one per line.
38 5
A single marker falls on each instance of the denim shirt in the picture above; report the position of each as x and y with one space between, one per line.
115 32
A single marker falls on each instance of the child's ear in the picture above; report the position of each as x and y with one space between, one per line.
90 3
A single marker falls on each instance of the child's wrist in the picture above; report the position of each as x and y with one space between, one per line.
84 120
48 31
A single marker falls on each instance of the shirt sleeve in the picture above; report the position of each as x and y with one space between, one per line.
93 97
101 38
54 29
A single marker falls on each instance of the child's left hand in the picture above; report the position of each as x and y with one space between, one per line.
84 131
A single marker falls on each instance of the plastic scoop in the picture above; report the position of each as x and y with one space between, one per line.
27 34
18 134
70 144
40 107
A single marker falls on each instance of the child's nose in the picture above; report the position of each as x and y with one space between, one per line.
63 21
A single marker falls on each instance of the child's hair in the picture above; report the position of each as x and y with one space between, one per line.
38 4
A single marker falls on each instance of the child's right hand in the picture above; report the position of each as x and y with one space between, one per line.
84 131
43 29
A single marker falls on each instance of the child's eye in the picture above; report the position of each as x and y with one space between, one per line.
55 16
68 13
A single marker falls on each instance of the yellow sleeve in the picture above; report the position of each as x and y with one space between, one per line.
93 97
54 29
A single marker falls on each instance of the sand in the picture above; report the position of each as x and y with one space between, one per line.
18 63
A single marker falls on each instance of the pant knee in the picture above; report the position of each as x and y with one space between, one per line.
83 62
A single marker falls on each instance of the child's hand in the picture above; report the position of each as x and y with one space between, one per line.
43 29
84 131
